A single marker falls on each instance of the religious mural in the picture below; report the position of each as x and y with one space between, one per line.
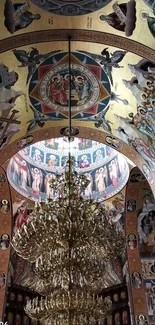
142 320
71 8
146 230
136 280
31 170
49 87
4 241
109 61
138 130
131 205
17 16
9 123
150 20
94 93
30 60
132 241
123 17
2 280
25 141
112 93
114 210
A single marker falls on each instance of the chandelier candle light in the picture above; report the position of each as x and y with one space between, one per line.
69 240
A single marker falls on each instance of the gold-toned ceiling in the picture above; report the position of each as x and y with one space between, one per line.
113 68
115 43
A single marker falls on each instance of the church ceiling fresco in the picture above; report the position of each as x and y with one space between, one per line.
112 67
112 88
31 170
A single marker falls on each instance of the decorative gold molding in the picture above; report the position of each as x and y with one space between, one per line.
82 35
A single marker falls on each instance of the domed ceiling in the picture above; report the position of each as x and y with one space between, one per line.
31 169
112 74
112 83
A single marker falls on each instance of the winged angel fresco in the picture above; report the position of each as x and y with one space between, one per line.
108 60
101 121
31 59
38 119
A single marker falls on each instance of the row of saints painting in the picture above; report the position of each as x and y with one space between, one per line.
32 181
122 16
51 152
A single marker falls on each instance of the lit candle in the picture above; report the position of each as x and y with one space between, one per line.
32 224
25 230
37 263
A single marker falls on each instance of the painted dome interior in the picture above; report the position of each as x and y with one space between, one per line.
112 88
31 169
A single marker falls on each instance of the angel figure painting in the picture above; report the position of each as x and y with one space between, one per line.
89 188
108 60
33 179
48 188
20 172
24 175
100 176
114 172
31 59
37 177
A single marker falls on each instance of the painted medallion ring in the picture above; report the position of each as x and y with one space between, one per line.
49 87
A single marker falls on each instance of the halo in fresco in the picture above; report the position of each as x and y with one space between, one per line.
31 169
71 7
49 87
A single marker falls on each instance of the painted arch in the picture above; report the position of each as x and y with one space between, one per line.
113 76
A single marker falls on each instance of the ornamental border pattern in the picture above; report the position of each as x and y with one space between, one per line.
82 35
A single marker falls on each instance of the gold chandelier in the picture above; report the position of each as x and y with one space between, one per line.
69 307
68 224
69 240
84 265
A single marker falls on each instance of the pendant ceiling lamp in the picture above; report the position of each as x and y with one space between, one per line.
69 240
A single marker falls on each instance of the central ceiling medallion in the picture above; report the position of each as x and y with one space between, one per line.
49 87
71 7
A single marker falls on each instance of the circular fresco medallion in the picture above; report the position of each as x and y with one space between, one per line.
71 7
85 88
49 87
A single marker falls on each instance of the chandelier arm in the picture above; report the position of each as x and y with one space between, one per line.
71 240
